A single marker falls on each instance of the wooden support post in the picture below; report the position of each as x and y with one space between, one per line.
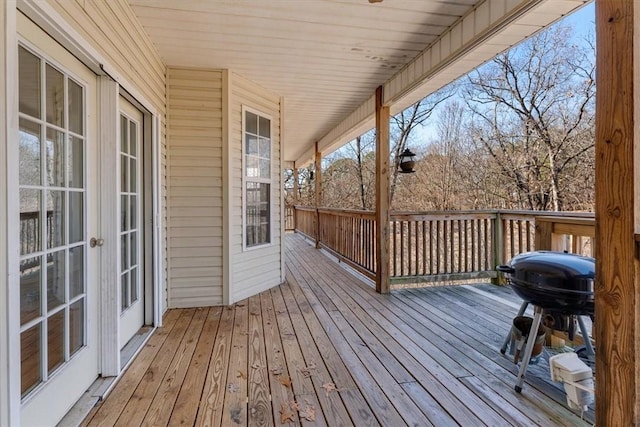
498 247
544 232
382 194
617 329
295 197
318 181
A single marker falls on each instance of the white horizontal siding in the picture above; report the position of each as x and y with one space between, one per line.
113 29
256 269
194 174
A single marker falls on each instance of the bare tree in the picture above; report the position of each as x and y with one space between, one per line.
533 112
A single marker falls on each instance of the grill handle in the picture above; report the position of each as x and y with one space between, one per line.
506 269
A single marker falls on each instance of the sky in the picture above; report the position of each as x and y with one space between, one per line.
583 22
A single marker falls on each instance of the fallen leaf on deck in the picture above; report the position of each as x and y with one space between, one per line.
306 371
285 380
308 413
286 415
294 405
241 374
233 388
276 371
329 387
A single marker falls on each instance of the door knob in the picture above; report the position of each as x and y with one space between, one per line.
96 242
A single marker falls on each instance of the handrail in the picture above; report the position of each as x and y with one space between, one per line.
432 246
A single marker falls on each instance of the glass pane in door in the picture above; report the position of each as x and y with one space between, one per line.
129 211
52 218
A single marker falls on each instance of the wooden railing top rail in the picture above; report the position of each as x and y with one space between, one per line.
578 226
305 208
406 216
482 213
349 212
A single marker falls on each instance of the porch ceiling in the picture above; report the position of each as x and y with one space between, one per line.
326 57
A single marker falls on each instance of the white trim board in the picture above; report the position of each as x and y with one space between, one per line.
9 237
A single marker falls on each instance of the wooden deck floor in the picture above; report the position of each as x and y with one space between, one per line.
325 349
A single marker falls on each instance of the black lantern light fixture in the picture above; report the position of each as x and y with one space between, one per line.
407 161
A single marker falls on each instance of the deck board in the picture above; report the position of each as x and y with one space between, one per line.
415 357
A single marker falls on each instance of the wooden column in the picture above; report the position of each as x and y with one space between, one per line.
295 196
382 194
318 181
617 330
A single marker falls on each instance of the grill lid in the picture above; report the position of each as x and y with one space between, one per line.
554 280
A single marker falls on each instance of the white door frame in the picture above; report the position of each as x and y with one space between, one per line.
56 26
9 259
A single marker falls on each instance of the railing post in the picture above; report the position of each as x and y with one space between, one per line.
318 178
498 246
544 235
295 197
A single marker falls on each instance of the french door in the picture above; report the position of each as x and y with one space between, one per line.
131 224
58 216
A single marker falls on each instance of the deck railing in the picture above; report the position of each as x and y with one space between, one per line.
445 246
351 235
289 218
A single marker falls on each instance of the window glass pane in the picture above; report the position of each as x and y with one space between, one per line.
265 148
124 252
252 145
76 271
264 193
134 285
76 162
76 326
265 127
264 233
29 147
133 139
30 357
258 221
55 280
55 341
124 173
265 168
55 219
124 289
124 210
133 176
133 248
76 216
55 158
29 86
252 165
30 217
124 134
76 108
55 96
133 217
251 123
30 277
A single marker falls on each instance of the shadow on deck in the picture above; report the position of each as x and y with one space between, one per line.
325 349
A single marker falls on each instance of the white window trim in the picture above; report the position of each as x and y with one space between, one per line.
269 181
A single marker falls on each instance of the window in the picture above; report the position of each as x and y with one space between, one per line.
257 179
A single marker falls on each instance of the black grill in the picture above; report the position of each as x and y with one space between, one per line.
556 281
